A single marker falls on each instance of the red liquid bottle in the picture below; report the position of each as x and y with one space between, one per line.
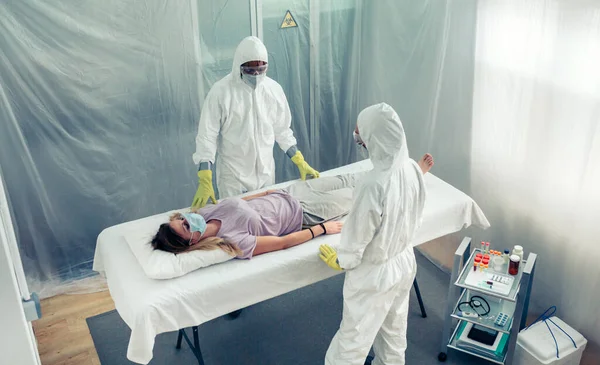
513 265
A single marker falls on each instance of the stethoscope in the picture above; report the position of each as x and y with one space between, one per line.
478 304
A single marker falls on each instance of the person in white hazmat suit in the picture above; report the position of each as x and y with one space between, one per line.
376 247
243 115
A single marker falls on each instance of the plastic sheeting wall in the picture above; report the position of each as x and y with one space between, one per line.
99 101
418 56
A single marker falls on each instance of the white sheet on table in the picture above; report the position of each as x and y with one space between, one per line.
150 307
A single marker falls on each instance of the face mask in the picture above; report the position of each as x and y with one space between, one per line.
253 80
196 222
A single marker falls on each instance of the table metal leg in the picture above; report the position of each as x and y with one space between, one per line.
179 338
418 292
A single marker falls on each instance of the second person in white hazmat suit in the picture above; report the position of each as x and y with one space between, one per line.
243 115
376 245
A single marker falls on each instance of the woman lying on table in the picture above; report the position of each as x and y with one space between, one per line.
264 222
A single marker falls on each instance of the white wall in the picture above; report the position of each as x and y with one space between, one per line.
17 342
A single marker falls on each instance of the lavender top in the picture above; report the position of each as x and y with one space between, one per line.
276 214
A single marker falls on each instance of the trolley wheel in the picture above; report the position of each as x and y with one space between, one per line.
442 357
235 314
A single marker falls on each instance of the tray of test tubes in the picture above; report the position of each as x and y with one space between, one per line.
487 271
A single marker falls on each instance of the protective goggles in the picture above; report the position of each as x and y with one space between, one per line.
254 70
357 139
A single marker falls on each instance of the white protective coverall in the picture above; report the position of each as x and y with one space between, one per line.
242 124
376 246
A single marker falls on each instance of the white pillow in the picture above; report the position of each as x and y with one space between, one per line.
159 264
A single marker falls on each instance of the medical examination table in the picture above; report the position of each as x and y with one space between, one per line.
150 307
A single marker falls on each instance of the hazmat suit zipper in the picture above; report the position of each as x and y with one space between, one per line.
256 162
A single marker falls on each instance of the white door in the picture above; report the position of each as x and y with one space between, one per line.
17 341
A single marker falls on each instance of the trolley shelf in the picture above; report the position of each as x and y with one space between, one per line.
468 268
452 344
496 306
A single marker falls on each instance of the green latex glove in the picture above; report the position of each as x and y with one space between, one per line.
205 190
329 256
303 166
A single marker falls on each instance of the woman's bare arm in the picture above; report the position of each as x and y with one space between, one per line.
266 244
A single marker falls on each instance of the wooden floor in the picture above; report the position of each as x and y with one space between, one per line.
64 338
62 332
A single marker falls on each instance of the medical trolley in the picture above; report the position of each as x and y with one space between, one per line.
486 309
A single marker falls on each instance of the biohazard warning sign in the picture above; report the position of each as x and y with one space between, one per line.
288 21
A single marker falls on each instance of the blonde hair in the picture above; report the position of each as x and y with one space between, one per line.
168 240
213 243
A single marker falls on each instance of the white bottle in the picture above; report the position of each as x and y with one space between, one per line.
518 250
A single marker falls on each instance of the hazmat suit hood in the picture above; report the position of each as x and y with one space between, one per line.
383 134
250 49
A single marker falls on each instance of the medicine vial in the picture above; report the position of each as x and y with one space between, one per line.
513 266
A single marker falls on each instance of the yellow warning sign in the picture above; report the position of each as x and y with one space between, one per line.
288 21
